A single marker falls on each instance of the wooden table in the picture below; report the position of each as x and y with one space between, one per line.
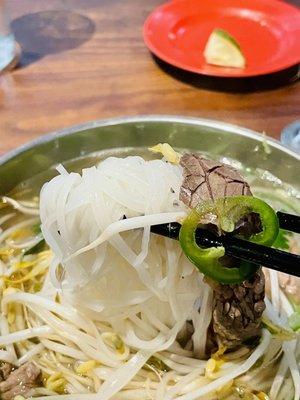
85 59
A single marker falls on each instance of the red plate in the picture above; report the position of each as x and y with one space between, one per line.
268 32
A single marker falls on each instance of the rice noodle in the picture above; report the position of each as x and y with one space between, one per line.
129 224
201 322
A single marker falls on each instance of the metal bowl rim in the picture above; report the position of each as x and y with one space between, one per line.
227 127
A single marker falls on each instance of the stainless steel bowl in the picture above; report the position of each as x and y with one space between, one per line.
216 138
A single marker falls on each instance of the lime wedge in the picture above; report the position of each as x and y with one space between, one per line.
223 50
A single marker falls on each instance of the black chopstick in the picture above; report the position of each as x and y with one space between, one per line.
238 248
261 255
289 222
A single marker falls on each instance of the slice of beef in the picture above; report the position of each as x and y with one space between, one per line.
5 370
237 309
20 381
206 179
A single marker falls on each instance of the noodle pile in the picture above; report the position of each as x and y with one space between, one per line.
112 312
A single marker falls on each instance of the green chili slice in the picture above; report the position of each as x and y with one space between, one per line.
228 211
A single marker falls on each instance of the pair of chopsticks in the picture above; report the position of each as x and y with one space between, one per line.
242 249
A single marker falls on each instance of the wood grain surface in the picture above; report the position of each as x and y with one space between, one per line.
85 59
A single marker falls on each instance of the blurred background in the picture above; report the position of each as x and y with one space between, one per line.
81 60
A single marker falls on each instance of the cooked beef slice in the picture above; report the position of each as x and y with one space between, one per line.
5 370
19 381
208 180
237 309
